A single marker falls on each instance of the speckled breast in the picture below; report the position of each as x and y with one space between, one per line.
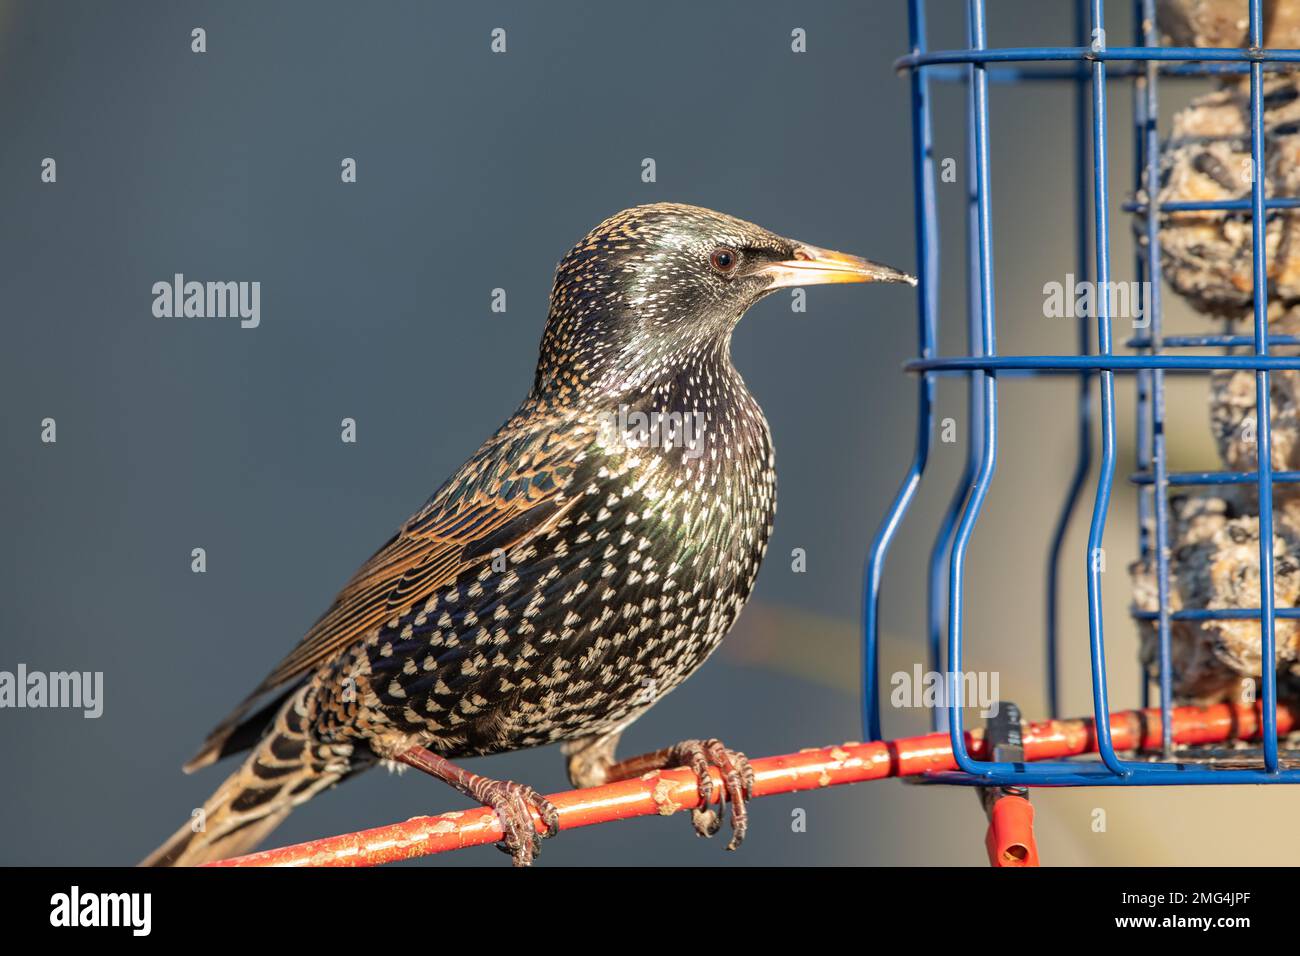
586 625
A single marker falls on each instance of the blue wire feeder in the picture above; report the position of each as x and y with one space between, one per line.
1088 67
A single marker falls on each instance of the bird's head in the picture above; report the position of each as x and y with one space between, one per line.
655 284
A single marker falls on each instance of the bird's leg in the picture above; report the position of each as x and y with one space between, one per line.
513 802
591 763
590 759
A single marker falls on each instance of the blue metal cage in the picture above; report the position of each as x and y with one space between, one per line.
1087 68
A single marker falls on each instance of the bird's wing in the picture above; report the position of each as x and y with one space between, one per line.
511 491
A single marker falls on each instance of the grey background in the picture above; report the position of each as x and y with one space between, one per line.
478 171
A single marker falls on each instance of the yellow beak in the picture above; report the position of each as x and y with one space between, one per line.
815 266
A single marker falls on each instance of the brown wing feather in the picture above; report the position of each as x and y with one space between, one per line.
509 492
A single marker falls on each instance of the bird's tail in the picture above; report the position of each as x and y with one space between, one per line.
281 772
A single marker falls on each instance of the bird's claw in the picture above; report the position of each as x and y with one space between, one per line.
514 804
737 782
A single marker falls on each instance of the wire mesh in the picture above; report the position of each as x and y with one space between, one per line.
1088 67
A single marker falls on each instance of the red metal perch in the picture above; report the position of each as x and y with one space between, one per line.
665 792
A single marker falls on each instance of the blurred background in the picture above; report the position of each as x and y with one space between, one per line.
478 171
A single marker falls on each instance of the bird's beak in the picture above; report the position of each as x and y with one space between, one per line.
814 266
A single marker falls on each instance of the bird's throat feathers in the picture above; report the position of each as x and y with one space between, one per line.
688 405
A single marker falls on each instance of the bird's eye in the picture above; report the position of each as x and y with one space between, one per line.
723 260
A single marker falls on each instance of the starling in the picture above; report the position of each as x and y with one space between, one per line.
583 563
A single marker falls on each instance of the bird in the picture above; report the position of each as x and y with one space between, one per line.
579 566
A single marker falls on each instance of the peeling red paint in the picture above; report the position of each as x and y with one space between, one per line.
663 800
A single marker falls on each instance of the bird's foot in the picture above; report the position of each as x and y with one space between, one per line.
591 763
514 803
737 784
